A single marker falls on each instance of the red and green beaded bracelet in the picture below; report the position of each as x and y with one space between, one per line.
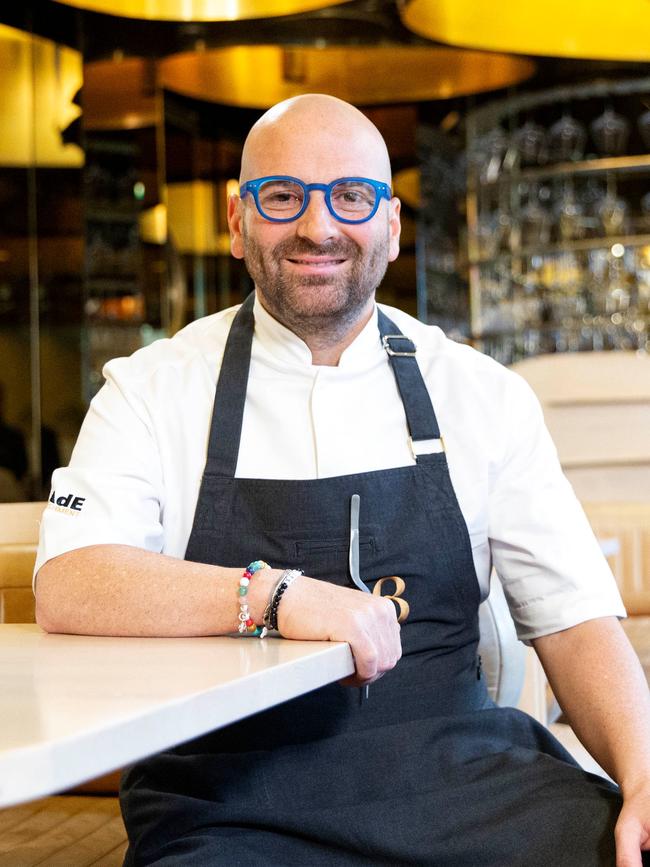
246 623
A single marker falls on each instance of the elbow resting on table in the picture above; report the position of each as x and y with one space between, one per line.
66 592
47 609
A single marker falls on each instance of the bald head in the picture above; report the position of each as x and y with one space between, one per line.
317 138
316 273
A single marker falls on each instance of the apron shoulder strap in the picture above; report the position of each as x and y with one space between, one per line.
420 414
230 395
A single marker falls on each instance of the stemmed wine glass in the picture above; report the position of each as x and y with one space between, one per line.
610 132
566 139
530 144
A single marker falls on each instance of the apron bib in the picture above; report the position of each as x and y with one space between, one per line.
425 770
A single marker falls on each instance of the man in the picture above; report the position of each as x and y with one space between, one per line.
331 426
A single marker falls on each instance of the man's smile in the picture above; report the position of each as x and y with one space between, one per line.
320 264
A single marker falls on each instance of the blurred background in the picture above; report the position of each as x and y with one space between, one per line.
520 142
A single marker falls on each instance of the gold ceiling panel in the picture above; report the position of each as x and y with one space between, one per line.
589 29
38 81
258 76
200 10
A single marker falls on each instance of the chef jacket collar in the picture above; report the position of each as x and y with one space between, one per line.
287 348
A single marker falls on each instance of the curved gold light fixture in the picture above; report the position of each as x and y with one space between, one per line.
258 76
200 10
38 80
589 29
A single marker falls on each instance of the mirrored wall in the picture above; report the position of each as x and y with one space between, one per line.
112 234
41 257
113 229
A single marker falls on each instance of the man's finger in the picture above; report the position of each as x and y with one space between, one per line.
628 845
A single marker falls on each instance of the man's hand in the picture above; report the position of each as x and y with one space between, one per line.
633 828
318 611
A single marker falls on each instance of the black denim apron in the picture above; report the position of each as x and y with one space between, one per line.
426 770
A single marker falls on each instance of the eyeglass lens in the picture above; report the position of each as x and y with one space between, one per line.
351 200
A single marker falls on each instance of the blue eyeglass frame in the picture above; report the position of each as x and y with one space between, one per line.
382 191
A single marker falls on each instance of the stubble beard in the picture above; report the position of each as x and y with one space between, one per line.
316 305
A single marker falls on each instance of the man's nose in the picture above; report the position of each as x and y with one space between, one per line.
316 223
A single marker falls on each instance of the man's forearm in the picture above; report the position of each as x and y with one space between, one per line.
121 590
600 685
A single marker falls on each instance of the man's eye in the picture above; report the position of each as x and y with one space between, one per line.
279 199
353 197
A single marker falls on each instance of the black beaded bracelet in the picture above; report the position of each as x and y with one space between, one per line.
271 612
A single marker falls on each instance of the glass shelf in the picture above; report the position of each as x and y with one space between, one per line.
581 245
558 252
599 165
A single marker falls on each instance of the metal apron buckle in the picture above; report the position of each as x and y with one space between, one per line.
385 342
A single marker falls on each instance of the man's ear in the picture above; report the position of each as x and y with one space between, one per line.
394 228
235 217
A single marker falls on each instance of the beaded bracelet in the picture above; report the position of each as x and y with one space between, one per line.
246 623
271 611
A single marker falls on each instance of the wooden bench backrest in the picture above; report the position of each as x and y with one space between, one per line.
19 526
597 408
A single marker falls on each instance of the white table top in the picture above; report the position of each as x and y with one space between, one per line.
74 707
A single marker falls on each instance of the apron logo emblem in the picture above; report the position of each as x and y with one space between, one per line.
400 587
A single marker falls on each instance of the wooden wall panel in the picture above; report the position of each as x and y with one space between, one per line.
629 523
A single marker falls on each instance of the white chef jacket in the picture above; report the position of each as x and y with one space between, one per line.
135 472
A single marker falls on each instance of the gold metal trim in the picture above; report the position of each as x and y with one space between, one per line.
38 80
258 76
200 10
594 29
